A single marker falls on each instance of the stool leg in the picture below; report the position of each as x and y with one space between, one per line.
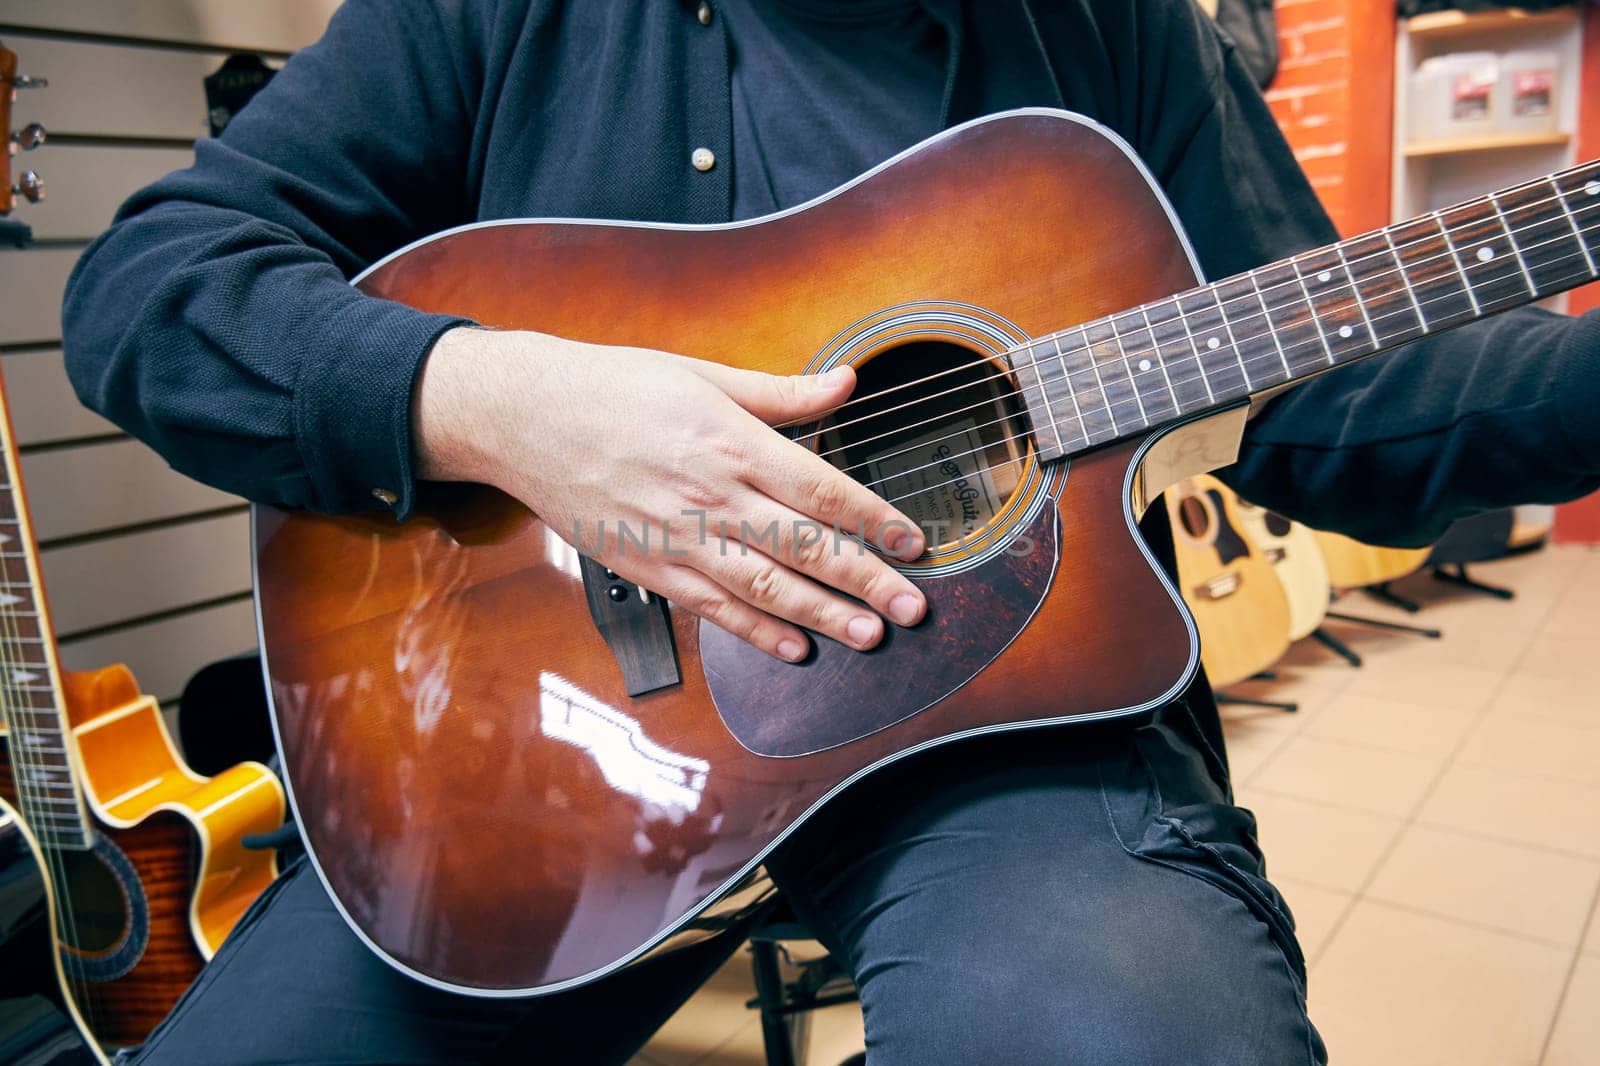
769 992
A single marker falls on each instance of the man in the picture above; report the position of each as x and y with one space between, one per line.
1059 896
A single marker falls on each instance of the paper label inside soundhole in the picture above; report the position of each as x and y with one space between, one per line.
939 480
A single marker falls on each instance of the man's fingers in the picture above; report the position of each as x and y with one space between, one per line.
777 399
806 482
769 586
704 597
831 557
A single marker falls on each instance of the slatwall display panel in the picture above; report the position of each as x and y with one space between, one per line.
79 490
84 186
30 299
112 90
280 25
48 410
165 654
98 583
142 565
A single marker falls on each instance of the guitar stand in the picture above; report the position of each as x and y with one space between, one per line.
1383 594
1276 705
1335 645
1461 580
1399 627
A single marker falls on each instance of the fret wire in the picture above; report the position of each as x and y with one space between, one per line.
1127 367
1233 342
1572 220
1160 360
1316 319
1511 239
1100 382
1355 290
1272 330
1466 282
1072 393
1405 279
1044 394
1199 363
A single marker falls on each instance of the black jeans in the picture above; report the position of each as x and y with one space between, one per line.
1046 897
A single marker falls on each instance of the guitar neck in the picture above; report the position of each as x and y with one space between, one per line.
31 694
1216 345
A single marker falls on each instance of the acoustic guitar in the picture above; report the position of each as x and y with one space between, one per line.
517 773
1292 550
39 1022
1228 583
1352 564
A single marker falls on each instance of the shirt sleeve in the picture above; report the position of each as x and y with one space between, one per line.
1391 450
214 320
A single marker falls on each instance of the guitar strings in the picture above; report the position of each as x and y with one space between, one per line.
1258 292
36 771
1112 405
879 483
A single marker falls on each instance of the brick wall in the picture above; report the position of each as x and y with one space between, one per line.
1334 99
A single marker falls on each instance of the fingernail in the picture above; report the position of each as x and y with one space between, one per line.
901 541
824 382
792 650
905 608
862 630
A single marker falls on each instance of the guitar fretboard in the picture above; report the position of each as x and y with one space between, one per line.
30 695
1219 344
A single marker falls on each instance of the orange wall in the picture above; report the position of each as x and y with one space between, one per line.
1334 99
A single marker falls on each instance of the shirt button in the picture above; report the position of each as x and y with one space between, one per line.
704 14
385 496
702 159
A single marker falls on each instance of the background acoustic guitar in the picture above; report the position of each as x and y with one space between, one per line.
142 855
39 1022
518 772
1352 564
1292 550
1230 585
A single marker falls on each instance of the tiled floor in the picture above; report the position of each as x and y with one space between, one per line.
1431 818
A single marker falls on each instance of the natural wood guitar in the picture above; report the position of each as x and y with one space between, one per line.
142 855
1292 550
1352 564
1228 583
517 774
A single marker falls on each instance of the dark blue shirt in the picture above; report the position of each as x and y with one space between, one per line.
215 321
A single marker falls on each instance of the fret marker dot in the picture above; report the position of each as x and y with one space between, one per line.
1485 254
1593 188
1325 276
1346 332
1213 344
1144 364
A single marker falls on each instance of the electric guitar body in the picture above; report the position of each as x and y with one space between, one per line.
517 773
1292 550
1230 585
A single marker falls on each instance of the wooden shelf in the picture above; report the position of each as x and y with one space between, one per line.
1496 142
1441 24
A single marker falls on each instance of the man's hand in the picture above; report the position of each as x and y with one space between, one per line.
678 451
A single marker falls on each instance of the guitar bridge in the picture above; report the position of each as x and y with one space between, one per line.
636 626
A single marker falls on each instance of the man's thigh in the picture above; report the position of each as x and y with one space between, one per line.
292 984
1040 899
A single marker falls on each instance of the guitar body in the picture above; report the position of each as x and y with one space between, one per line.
1238 603
1292 550
39 1022
1352 564
491 809
167 877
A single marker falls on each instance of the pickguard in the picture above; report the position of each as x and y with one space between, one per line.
839 694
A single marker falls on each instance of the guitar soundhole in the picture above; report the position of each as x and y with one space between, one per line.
104 917
1196 521
937 431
